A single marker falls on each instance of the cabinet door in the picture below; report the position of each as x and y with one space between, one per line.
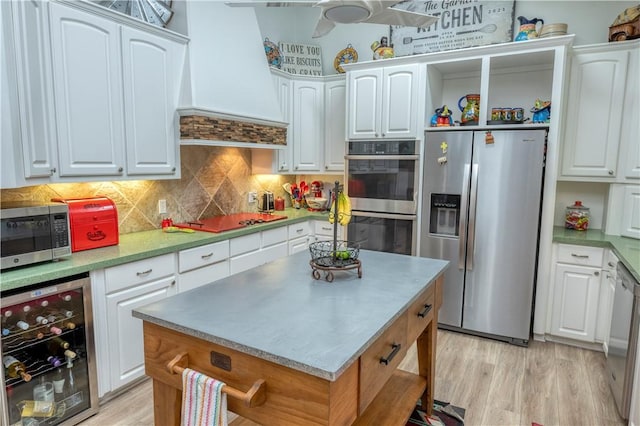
149 65
335 132
575 302
365 92
308 127
629 147
125 336
88 92
399 102
631 212
594 113
35 98
284 157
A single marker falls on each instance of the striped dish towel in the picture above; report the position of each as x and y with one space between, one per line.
203 403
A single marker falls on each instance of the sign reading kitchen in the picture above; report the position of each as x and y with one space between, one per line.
460 24
301 59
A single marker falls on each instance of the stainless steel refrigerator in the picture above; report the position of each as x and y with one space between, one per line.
481 203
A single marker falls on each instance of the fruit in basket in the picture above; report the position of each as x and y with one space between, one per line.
344 255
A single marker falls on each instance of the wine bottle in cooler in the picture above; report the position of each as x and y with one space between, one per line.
58 384
15 368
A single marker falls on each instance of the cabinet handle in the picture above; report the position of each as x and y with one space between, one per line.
580 256
147 272
396 348
207 256
610 172
326 228
596 273
423 313
299 230
52 171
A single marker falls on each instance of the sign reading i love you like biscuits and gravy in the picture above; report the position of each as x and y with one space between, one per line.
301 59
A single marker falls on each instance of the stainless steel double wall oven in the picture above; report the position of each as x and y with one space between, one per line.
382 182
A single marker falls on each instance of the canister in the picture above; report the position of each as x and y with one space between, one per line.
496 114
577 217
517 114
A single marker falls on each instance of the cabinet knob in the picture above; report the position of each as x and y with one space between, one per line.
296 167
383 135
52 171
173 169
610 172
376 135
596 273
326 167
120 169
611 265
173 282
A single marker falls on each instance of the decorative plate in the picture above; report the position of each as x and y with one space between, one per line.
273 53
345 56
155 12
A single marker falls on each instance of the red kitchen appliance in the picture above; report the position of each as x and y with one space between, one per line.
229 222
93 221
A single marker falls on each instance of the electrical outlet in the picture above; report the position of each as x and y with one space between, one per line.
162 206
252 197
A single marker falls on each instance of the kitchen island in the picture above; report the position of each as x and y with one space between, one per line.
327 352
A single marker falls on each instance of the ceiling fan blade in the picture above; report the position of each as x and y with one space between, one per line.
323 27
402 17
254 3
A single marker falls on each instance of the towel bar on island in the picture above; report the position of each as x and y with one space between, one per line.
254 397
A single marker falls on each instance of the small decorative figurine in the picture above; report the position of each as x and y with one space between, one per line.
381 49
541 111
442 117
528 28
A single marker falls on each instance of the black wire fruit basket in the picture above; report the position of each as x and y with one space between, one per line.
334 255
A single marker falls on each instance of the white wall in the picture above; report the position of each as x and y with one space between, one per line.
588 20
592 195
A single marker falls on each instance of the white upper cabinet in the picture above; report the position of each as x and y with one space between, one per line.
96 94
629 159
36 130
600 104
88 91
335 132
151 70
308 125
383 102
284 157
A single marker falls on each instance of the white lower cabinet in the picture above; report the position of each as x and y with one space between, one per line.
577 283
299 237
257 249
323 230
202 265
605 310
119 338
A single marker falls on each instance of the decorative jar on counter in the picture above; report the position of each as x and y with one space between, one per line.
576 217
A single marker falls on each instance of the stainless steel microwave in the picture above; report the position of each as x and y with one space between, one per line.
33 233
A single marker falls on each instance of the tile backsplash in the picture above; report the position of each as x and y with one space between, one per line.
215 181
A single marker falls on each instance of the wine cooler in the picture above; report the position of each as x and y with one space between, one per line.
48 354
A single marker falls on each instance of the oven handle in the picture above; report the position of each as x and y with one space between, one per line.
381 157
384 215
462 230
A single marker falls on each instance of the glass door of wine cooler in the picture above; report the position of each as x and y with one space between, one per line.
48 354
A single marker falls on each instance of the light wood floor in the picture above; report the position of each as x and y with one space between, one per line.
497 384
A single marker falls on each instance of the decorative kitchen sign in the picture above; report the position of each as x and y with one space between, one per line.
301 59
461 23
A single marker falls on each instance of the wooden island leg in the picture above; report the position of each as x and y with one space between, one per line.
167 404
427 346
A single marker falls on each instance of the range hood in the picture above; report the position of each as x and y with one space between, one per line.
228 96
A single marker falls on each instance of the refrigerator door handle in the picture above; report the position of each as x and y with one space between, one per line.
472 217
462 230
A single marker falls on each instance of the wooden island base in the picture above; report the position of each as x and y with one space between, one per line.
370 391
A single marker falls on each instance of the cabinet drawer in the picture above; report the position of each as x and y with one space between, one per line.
201 276
244 244
374 373
141 271
420 313
274 236
299 230
580 255
202 256
325 228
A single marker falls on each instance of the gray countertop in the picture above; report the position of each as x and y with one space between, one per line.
278 312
